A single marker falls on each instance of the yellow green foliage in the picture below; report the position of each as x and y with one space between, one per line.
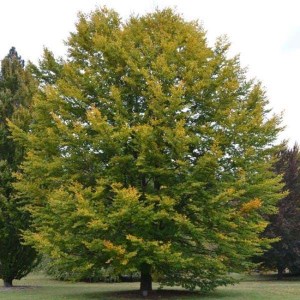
150 149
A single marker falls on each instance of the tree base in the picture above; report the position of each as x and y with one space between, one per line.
146 280
7 283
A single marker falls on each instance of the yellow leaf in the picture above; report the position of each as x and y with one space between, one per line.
251 205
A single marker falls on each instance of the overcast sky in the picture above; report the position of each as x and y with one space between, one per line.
266 34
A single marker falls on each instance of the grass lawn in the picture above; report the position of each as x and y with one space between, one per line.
37 287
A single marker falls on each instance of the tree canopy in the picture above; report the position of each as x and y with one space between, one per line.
149 151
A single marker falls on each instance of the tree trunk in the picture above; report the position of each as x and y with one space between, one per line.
280 272
146 279
7 282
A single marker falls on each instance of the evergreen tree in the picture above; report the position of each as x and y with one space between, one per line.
150 151
16 90
285 225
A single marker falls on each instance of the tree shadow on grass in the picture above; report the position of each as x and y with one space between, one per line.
136 294
272 277
161 294
17 288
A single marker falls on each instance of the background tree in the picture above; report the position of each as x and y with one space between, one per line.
286 223
16 90
150 152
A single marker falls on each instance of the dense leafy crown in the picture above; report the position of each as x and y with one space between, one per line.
149 147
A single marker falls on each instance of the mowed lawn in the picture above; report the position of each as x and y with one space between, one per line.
38 287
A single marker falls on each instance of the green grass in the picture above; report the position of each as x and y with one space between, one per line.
37 287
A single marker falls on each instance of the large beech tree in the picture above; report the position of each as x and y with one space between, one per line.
149 151
16 90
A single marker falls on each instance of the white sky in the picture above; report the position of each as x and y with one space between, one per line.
266 34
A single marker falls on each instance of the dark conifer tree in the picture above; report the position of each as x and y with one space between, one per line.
16 89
